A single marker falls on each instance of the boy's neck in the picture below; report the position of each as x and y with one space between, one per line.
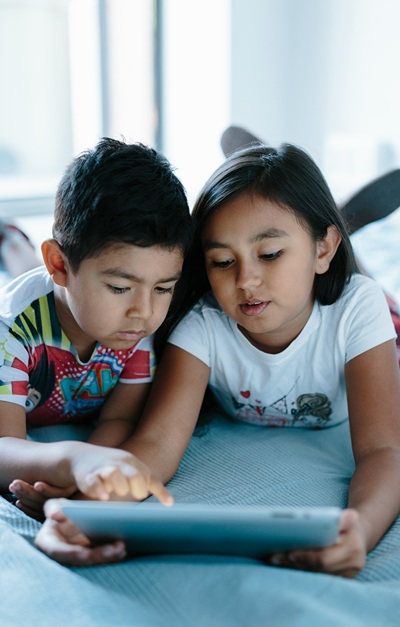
83 344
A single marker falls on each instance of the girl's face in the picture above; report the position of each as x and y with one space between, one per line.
261 264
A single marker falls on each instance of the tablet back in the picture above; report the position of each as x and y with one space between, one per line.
152 528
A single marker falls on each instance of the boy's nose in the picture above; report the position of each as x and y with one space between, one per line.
141 307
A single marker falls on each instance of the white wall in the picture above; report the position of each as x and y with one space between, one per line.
322 74
196 64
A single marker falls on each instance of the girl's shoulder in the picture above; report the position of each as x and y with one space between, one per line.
360 286
207 306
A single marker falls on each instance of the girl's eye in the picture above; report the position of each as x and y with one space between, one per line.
271 256
117 290
164 290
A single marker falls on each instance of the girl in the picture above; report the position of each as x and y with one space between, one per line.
285 333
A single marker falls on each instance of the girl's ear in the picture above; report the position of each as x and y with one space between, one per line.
55 261
326 249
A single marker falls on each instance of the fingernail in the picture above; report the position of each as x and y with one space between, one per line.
111 551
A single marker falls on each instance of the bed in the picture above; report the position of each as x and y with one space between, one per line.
225 463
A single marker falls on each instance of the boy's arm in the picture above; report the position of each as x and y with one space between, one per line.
120 413
96 471
27 460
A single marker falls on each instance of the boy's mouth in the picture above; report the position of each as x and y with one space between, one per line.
131 336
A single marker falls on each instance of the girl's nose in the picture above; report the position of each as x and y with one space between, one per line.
248 276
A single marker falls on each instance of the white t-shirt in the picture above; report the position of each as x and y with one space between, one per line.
304 385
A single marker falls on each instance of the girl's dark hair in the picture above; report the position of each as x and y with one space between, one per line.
289 177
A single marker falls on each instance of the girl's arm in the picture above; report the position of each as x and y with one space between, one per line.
120 413
62 541
171 412
373 392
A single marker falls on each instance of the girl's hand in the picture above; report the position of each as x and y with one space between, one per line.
103 472
345 558
31 498
65 543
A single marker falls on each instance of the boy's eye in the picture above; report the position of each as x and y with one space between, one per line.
271 256
117 290
222 264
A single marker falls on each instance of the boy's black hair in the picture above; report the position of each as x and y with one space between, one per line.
119 192
289 177
122 193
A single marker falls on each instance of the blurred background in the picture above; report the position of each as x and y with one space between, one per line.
175 73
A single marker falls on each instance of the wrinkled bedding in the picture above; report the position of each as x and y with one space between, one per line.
225 463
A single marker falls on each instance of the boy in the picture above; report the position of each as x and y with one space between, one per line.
76 335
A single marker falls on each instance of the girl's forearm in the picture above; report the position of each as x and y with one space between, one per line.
111 433
375 492
160 455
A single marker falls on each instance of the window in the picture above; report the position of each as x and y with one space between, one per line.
71 71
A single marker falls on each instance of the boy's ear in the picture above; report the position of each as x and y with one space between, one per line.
326 249
55 261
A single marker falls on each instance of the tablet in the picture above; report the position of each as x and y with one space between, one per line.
152 528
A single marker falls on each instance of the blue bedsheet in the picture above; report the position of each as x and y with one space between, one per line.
227 463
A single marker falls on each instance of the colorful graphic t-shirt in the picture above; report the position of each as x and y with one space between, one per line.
39 367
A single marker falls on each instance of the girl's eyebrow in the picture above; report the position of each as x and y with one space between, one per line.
268 234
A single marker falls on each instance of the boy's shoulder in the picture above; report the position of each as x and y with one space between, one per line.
19 293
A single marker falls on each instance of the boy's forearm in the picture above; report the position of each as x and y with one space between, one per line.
375 492
36 461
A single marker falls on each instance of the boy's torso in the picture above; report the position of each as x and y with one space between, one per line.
40 368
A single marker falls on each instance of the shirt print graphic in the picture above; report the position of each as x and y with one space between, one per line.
308 410
61 386
47 373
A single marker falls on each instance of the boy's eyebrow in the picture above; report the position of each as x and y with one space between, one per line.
268 234
122 274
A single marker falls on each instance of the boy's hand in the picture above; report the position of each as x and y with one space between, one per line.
345 558
31 498
103 472
65 543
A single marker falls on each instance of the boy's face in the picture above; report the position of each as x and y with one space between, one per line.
119 296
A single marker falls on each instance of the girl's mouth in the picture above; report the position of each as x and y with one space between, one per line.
253 309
